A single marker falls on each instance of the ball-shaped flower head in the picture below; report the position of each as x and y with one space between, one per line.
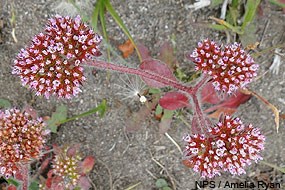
66 167
229 146
230 68
199 154
52 64
21 140
237 145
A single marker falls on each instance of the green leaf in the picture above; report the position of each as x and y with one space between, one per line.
250 10
4 103
217 27
13 181
101 5
215 3
154 91
120 23
167 114
166 188
160 183
276 2
95 15
234 13
57 117
34 185
158 110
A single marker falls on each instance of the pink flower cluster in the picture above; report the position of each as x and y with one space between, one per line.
230 67
52 64
229 146
21 140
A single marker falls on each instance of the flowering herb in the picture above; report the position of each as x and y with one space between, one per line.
52 65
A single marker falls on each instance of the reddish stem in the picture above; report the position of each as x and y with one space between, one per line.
164 80
25 175
201 83
142 73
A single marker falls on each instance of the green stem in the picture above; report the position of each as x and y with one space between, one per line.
101 108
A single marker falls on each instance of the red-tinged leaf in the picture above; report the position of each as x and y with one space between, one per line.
166 55
187 163
57 183
84 183
20 175
44 165
145 54
49 174
209 94
11 187
56 149
87 164
31 111
173 101
156 67
48 182
71 151
227 111
233 102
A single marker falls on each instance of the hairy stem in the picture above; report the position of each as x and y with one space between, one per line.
25 174
192 91
201 83
142 73
200 116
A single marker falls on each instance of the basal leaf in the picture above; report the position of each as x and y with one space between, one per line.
209 94
34 185
144 51
173 101
4 103
157 68
84 183
13 181
57 117
232 102
161 183
166 55
87 164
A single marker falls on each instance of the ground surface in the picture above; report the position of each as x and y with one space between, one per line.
123 158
